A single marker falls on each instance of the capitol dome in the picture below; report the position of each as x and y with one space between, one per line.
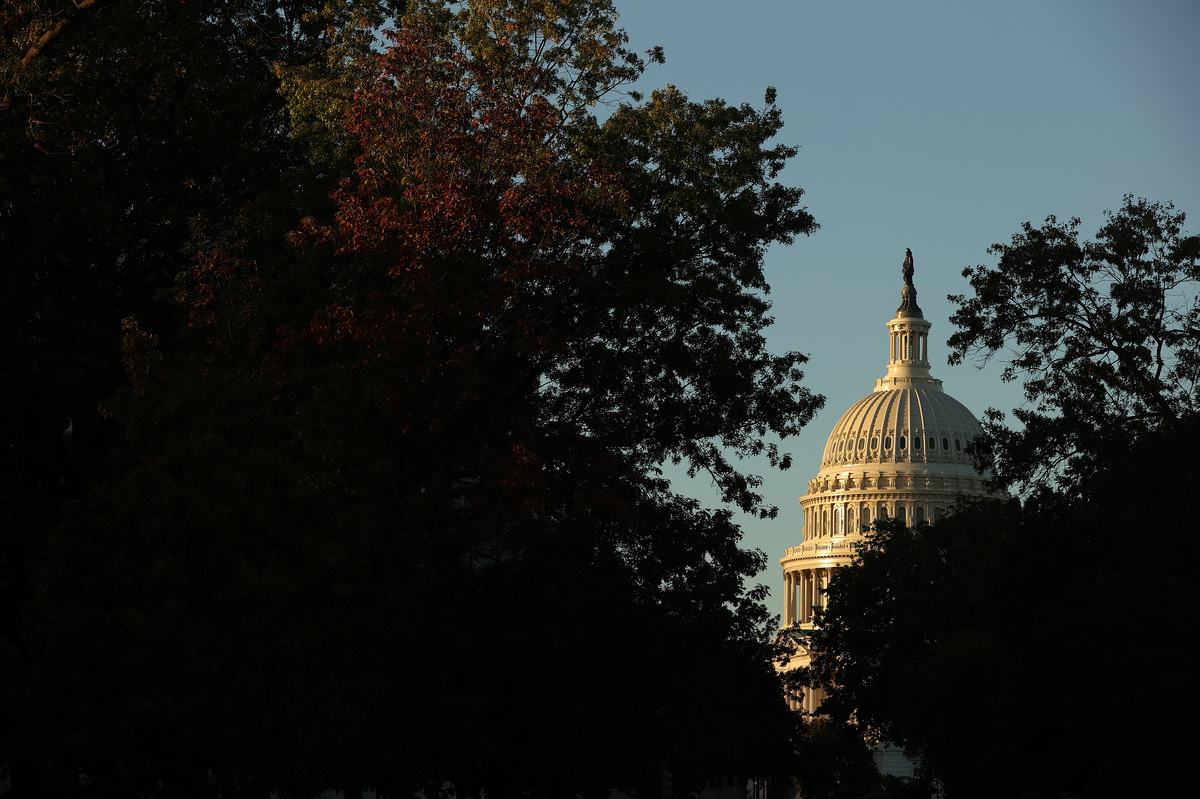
900 451
922 425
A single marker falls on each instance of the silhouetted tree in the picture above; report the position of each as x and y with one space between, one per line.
386 506
1104 336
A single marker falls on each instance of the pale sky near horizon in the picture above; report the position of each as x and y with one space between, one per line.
940 126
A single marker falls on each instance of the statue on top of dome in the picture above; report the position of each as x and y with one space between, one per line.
908 267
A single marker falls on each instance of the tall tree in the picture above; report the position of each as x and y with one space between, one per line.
394 489
1001 648
121 121
1103 334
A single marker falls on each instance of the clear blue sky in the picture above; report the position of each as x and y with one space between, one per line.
936 126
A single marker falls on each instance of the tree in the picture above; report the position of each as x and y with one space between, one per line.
120 123
999 648
833 754
1103 334
392 487
919 646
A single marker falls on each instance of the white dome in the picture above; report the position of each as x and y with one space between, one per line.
900 451
905 425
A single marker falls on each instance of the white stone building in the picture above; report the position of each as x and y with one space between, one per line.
899 452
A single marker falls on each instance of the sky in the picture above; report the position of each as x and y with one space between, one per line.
936 126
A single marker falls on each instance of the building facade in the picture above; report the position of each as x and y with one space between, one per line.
898 452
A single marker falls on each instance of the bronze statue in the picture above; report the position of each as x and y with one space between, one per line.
908 267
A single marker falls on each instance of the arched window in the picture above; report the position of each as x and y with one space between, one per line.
849 520
865 520
882 512
938 513
901 514
825 522
919 515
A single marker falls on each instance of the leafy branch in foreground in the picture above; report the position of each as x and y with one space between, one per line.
1104 336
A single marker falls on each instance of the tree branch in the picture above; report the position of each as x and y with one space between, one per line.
41 44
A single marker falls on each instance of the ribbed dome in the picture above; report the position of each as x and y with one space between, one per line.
902 425
908 420
900 451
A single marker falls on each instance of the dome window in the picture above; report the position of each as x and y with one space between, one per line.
957 445
916 442
887 443
946 444
874 443
862 443
932 442
902 442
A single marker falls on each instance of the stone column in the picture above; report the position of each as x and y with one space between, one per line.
803 586
797 594
809 593
789 610
800 596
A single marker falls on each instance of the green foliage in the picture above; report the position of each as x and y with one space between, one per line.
683 285
1103 335
1007 648
833 754
318 90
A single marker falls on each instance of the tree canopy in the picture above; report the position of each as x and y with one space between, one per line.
1007 649
386 371
1104 336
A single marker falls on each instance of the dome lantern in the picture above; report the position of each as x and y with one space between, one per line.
908 354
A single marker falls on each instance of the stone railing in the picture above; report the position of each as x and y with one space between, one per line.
822 547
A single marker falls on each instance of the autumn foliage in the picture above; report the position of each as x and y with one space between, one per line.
383 503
